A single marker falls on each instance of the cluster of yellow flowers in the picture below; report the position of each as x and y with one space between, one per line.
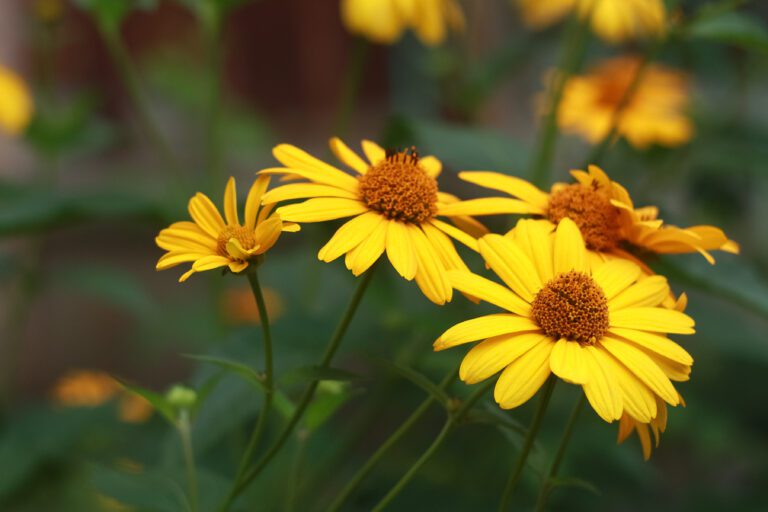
577 300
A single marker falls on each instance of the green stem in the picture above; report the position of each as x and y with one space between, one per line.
385 447
451 423
269 384
189 457
533 430
294 488
353 80
330 350
572 55
545 487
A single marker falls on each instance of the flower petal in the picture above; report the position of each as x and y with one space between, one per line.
205 214
602 390
650 291
431 276
655 343
304 191
534 238
350 235
486 206
615 276
347 156
373 152
653 319
570 252
511 264
361 258
297 159
210 263
267 233
400 249
511 185
484 327
431 165
567 361
491 356
489 291
230 203
321 209
524 376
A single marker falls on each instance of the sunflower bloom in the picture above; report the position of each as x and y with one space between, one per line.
655 113
213 242
394 202
384 21
16 104
596 324
614 21
601 208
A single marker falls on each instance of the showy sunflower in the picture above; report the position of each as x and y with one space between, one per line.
613 20
601 208
655 113
394 201
596 324
16 104
211 241
384 21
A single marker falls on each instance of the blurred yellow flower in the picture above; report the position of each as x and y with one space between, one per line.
239 307
654 114
84 388
592 323
16 104
212 242
133 408
384 21
395 202
601 208
613 20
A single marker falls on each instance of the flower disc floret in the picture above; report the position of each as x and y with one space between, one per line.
598 220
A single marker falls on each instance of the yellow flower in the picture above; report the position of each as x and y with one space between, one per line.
613 20
655 113
394 201
384 21
133 408
596 324
213 242
15 103
601 208
84 388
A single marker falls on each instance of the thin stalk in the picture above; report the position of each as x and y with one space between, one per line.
330 350
533 430
572 54
545 486
269 383
450 423
189 458
294 488
353 81
385 447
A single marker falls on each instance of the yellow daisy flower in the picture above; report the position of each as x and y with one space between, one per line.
613 20
602 209
394 201
213 242
384 21
84 388
596 324
15 103
655 113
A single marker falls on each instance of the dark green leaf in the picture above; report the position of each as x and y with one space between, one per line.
242 370
732 27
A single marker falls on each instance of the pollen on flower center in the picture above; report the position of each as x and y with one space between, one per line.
591 210
399 188
240 233
572 306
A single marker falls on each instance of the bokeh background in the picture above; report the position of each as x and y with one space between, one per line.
88 183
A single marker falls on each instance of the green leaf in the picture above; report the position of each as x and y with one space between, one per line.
242 370
735 28
416 378
157 400
330 397
313 373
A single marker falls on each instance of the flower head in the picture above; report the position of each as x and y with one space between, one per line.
613 20
384 21
84 388
598 324
654 114
394 200
600 207
211 241
16 104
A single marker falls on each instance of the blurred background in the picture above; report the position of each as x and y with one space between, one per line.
138 104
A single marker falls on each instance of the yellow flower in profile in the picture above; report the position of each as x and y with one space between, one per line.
16 104
601 208
213 242
394 201
384 21
84 388
613 20
596 324
655 114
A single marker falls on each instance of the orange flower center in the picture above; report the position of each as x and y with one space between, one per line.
240 233
399 188
591 210
572 306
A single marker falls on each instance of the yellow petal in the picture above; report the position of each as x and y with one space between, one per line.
493 355
484 327
431 275
305 190
171 259
567 361
655 343
205 214
297 159
444 247
347 156
524 376
534 238
400 249
650 291
237 266
267 233
431 165
321 209
602 390
488 291
511 185
511 264
652 319
455 233
361 258
486 206
350 235
569 251
373 152
253 201
209 263
235 249
230 203
614 276
638 400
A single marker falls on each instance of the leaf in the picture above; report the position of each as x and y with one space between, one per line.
242 370
731 27
327 401
313 373
157 400
418 379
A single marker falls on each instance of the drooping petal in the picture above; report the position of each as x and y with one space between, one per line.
400 249
568 361
524 376
361 258
602 390
350 235
431 276
210 263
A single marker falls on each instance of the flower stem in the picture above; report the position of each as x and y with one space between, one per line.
572 54
389 443
241 484
533 430
545 486
453 420
269 384
353 81
185 434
